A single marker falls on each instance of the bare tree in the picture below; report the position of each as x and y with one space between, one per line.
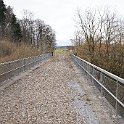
89 27
27 27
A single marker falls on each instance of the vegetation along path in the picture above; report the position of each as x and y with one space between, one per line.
54 93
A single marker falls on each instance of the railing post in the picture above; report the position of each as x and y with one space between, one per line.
24 64
116 106
33 61
86 72
93 74
101 80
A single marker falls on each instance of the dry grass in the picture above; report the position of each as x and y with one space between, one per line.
10 51
60 51
6 48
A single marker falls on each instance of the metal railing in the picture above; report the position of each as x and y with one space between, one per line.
110 85
13 68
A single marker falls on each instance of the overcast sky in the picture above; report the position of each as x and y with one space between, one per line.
60 14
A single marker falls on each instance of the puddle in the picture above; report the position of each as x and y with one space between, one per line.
83 110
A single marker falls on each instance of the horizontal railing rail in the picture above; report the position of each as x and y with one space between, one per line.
13 68
110 85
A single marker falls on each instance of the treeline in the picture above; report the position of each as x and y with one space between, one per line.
100 40
26 30
9 27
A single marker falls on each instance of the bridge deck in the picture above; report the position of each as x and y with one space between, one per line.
55 93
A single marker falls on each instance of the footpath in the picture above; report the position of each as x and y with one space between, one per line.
56 92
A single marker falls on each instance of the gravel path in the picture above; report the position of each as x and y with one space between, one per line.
54 93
